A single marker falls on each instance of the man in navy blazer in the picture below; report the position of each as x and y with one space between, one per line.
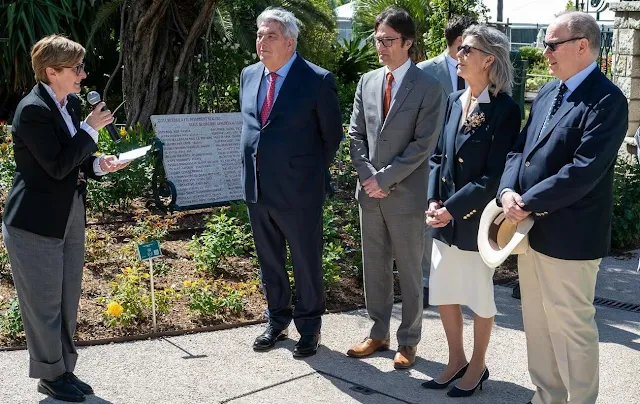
291 131
562 173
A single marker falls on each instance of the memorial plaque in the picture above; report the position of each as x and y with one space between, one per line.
201 156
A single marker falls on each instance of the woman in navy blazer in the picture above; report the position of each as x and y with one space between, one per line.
481 126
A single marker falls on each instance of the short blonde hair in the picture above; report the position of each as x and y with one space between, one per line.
54 51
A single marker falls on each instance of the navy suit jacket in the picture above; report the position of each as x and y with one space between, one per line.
565 175
293 150
466 165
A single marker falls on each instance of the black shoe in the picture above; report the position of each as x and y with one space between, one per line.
80 385
268 338
61 389
425 298
306 346
516 292
456 392
434 385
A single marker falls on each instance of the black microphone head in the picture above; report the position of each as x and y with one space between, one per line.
93 97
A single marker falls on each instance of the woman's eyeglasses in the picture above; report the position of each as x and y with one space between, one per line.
77 68
554 45
466 49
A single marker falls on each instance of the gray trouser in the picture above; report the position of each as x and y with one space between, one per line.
426 256
385 237
47 273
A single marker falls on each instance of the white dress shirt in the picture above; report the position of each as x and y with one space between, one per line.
398 76
72 129
469 103
452 65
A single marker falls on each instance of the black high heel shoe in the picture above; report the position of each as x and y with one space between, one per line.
456 392
434 385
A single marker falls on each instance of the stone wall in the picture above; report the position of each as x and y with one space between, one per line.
626 61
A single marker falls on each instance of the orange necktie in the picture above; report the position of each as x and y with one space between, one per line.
387 94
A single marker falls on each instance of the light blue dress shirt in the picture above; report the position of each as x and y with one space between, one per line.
266 80
577 79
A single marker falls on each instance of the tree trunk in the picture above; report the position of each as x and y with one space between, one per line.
159 42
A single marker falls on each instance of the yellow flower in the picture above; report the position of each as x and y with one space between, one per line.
187 284
146 275
127 270
115 309
123 132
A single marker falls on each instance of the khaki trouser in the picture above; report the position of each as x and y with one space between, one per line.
562 336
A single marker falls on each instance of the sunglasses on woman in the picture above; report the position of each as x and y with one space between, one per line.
466 49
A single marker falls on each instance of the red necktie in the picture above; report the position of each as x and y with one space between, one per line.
387 94
268 102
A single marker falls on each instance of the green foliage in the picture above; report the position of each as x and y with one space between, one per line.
131 292
117 190
541 72
7 164
531 54
151 227
332 255
222 298
434 39
24 22
5 267
225 236
97 248
625 228
430 17
11 323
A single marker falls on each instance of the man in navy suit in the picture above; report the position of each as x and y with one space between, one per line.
562 173
291 131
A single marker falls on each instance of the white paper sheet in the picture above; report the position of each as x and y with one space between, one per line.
132 155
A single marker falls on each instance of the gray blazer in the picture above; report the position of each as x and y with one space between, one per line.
396 149
438 68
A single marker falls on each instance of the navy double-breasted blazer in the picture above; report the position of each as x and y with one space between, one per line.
467 164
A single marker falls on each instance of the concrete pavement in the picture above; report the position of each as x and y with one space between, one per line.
221 367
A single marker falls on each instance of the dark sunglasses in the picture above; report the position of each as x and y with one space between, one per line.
466 49
78 68
554 45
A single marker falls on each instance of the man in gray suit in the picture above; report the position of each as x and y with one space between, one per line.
444 68
397 117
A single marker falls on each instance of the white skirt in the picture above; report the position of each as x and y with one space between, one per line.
461 277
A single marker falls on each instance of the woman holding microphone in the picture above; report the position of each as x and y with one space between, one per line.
44 218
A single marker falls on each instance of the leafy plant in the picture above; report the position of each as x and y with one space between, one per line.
129 302
331 256
533 55
97 248
11 323
212 300
625 228
224 236
7 164
117 190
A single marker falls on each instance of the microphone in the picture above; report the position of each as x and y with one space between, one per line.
94 98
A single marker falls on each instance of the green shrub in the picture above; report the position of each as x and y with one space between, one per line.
117 190
625 228
208 300
129 303
224 236
11 323
531 54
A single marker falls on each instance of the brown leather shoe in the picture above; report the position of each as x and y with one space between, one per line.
405 357
367 347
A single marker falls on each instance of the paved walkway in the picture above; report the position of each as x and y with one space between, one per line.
221 367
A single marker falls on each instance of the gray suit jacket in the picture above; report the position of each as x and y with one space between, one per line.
396 149
438 68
